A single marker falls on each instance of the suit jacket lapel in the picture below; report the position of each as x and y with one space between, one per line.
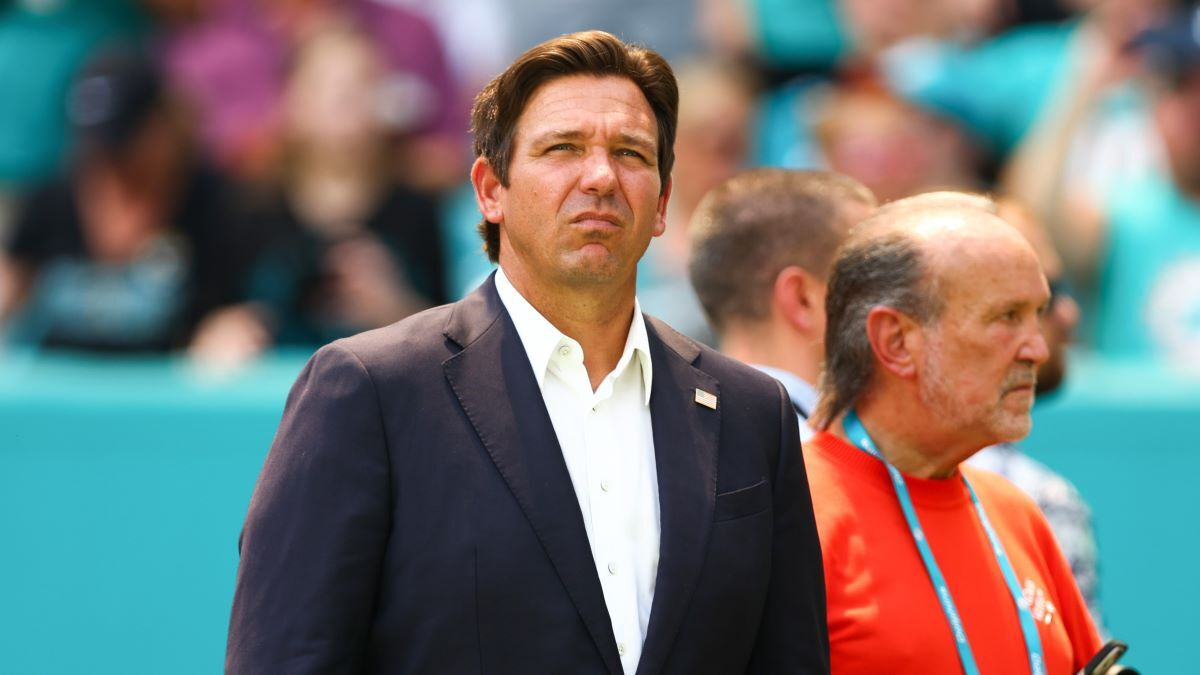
685 449
495 385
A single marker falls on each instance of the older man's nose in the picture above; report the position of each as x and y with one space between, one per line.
1034 349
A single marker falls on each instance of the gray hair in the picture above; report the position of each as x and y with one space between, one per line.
881 264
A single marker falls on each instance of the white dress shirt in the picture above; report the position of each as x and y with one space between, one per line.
608 444
802 394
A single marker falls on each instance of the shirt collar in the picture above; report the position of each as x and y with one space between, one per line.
802 393
540 338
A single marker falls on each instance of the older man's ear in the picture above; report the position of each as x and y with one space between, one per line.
895 338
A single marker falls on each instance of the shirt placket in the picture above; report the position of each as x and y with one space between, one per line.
611 506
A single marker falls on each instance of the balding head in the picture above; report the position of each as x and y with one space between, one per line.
963 282
1059 322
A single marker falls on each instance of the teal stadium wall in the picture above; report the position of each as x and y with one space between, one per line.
123 485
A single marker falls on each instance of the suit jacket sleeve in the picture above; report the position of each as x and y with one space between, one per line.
793 637
316 531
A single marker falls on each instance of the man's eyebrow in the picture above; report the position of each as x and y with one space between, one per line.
1002 306
556 135
636 140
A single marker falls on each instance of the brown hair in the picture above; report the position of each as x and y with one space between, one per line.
749 228
500 104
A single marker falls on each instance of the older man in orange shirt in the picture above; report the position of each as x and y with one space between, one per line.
932 347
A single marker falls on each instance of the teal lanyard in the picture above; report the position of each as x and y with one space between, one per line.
1033 644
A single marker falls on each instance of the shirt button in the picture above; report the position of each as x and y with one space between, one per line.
612 568
564 351
604 485
621 648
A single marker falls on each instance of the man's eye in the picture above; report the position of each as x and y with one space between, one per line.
557 147
628 152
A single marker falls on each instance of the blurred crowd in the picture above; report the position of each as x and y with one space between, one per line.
229 176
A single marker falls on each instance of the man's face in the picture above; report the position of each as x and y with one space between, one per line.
1062 314
584 195
979 367
713 139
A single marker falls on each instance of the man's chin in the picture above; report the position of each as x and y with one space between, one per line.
593 269
1013 428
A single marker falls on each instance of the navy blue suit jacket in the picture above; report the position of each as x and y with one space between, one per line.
415 515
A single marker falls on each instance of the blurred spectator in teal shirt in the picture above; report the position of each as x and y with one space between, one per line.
1131 241
135 245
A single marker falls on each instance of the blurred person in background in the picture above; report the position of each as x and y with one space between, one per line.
137 244
231 58
716 123
762 245
822 53
348 247
1131 242
43 43
822 36
226 62
1068 514
894 148
1000 88
933 338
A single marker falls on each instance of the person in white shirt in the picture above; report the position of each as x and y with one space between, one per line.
539 478
762 243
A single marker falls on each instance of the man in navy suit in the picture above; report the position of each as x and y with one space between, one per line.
539 479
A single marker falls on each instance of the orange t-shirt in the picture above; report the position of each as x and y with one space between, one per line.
884 616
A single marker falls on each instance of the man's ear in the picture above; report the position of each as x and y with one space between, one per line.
660 225
488 190
891 334
797 297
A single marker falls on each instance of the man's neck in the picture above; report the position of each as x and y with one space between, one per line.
766 345
598 317
909 440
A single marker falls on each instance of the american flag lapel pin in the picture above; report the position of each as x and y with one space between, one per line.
706 399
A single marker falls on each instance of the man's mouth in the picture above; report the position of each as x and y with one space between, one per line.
1023 383
597 219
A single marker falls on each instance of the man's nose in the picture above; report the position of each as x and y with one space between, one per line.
1034 349
599 175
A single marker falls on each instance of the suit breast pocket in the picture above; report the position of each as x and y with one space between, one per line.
743 502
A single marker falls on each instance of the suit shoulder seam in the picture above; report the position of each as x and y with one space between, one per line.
387 453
